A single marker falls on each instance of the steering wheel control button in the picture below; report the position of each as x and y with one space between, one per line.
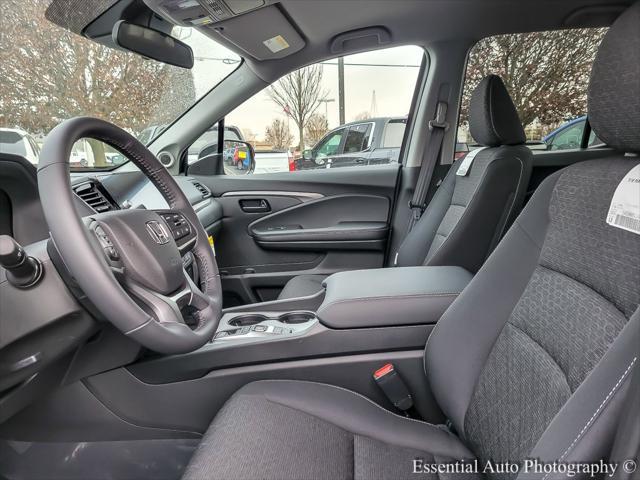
105 241
178 225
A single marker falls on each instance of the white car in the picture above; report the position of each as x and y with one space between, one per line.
19 142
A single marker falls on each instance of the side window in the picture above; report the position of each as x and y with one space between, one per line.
393 134
330 145
357 138
328 110
547 74
567 137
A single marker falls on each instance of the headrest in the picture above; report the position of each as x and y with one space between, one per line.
493 119
614 88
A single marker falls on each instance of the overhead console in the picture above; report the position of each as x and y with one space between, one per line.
195 13
260 30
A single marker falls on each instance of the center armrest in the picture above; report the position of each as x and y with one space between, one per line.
390 296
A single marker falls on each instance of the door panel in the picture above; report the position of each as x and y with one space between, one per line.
339 222
277 226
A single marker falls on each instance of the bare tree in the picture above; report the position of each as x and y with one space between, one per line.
316 128
50 74
278 135
546 73
299 94
249 135
362 116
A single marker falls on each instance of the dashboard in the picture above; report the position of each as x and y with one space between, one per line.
21 213
41 327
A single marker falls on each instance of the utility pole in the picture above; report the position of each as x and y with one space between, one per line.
373 109
326 108
341 89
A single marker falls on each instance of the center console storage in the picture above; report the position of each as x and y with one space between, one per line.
390 296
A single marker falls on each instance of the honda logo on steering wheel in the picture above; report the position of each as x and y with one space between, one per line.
158 232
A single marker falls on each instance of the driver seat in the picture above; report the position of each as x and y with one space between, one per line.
531 361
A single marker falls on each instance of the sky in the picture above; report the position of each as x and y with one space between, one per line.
393 85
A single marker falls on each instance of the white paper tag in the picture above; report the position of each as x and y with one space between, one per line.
624 211
276 43
465 166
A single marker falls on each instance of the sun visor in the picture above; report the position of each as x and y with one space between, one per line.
262 32
265 34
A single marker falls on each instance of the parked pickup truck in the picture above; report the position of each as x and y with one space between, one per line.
365 142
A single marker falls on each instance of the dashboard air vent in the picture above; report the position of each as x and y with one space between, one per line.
206 193
93 196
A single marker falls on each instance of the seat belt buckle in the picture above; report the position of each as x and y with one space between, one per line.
440 121
393 387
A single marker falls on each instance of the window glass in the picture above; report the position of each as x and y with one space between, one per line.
50 74
340 108
547 74
357 138
393 134
331 144
567 137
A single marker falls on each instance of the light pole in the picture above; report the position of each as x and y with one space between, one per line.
326 108
341 89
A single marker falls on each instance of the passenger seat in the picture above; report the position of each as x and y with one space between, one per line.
470 211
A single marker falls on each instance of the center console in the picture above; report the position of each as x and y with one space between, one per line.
386 297
362 320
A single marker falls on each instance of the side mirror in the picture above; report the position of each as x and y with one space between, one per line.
237 158
152 44
307 154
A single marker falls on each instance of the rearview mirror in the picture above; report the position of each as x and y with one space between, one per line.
307 154
152 44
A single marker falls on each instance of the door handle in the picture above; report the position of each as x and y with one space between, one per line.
255 205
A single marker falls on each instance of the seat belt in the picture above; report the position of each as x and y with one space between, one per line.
418 202
438 126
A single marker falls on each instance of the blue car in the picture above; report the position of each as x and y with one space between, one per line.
569 135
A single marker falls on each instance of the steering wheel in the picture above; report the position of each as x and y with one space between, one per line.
129 262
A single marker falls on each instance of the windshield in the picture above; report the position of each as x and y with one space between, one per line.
50 74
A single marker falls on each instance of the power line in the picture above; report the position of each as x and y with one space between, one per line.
228 61
398 65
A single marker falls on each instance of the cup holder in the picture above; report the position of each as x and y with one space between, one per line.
296 317
247 320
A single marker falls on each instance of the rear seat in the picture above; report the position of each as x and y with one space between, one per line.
470 212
